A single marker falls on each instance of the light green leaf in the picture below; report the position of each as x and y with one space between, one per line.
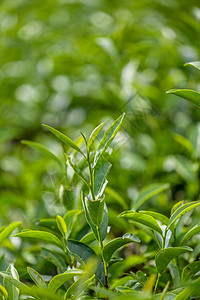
95 210
164 256
43 150
190 270
57 281
67 141
78 287
8 230
149 192
180 211
183 141
66 195
156 215
116 243
61 225
195 64
88 238
141 218
76 169
13 291
36 277
4 293
80 251
108 137
70 218
189 95
100 172
93 136
43 236
190 233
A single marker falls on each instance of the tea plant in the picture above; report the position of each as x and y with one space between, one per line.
162 250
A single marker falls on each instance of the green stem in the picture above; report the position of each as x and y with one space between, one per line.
91 177
157 280
105 265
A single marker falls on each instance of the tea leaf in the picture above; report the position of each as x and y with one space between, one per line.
108 137
156 215
149 192
189 95
57 281
180 211
36 277
67 141
164 256
116 197
13 291
190 233
54 258
80 251
144 219
4 234
78 287
93 136
190 270
100 172
95 210
43 150
116 243
4 293
195 64
61 225
70 218
43 236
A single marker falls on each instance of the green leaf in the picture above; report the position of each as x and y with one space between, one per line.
57 281
54 258
180 211
183 141
61 225
195 64
116 243
115 197
149 192
108 137
80 251
36 277
67 141
189 95
93 136
190 270
95 210
141 218
4 293
100 172
156 215
70 218
78 287
164 256
43 236
190 233
13 291
88 238
76 170
8 230
43 150
104 224
66 196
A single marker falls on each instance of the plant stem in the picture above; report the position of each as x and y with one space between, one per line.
105 265
156 284
91 177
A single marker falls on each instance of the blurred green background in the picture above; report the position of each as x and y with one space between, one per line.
73 64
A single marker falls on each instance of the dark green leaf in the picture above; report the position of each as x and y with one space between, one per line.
55 258
80 251
95 210
164 256
190 270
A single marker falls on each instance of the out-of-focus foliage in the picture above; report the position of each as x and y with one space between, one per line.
73 64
